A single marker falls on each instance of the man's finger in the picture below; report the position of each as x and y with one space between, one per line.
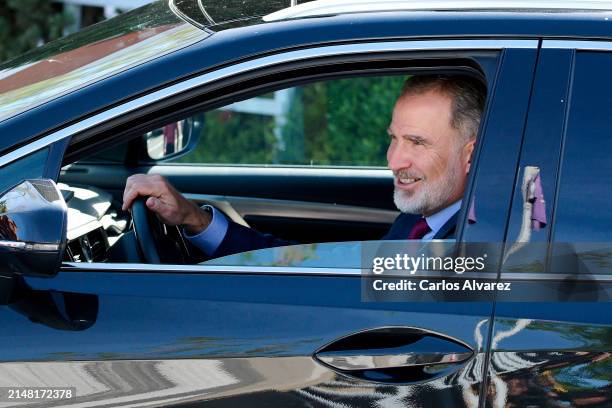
131 181
128 184
135 191
126 194
129 196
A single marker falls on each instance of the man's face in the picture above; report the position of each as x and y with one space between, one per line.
429 158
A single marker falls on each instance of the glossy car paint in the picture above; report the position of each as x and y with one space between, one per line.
247 339
247 332
551 354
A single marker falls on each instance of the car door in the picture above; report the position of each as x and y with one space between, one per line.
551 337
279 327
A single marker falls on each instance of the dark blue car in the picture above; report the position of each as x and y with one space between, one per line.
276 113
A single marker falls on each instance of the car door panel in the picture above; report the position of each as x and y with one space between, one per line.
551 342
178 323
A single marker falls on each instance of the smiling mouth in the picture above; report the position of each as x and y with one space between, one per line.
406 181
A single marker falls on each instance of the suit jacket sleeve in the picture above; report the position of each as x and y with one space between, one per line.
241 239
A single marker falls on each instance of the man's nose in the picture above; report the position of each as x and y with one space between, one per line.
398 159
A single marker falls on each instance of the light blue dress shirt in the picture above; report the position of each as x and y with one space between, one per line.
437 220
209 240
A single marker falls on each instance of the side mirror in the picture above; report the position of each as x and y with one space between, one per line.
174 139
33 217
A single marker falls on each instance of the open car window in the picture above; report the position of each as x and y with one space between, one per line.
307 164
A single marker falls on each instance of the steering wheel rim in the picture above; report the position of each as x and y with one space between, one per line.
157 242
142 230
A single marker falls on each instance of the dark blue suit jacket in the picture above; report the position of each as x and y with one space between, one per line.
241 239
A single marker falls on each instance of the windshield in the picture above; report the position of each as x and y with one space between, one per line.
91 54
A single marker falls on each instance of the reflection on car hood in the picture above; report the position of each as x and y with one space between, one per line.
97 52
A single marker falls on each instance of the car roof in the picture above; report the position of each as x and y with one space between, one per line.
211 13
333 7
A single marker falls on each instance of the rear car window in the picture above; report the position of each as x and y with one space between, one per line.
583 218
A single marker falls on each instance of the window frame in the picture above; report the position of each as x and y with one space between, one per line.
140 109
218 88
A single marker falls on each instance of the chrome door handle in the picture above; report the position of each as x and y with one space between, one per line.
396 354
373 362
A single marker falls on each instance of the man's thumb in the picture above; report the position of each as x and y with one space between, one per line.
153 203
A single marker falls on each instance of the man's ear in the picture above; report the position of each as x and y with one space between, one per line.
468 150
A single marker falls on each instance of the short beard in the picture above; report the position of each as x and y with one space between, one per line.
431 196
406 204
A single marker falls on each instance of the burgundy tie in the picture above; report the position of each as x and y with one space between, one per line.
419 229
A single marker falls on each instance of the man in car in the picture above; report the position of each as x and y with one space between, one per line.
432 135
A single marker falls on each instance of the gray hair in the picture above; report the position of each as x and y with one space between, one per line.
468 96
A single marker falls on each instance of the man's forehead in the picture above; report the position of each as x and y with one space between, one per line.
427 97
419 109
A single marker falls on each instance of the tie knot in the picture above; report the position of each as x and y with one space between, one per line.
419 229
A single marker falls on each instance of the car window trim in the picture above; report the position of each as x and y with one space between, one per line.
580 45
259 63
309 271
253 270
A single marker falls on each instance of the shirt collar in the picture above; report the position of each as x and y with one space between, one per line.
437 220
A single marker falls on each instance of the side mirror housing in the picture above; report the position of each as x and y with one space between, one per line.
33 220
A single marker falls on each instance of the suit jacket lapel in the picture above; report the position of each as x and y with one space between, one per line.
404 222
448 229
401 226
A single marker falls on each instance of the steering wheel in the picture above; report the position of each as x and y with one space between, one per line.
157 242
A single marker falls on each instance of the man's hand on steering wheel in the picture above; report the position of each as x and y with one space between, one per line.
169 205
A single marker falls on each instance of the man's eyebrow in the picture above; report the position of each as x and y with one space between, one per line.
416 138
410 136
